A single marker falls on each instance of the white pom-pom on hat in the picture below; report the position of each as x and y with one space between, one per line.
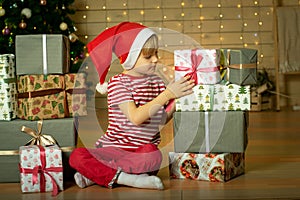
102 88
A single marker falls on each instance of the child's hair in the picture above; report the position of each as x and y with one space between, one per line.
150 47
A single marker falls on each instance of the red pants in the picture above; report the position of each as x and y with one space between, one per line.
101 165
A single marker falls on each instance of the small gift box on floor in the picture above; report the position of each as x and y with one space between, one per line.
207 167
240 65
18 132
41 169
201 64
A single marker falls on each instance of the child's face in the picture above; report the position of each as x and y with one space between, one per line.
145 64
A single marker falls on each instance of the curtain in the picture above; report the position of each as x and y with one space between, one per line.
289 39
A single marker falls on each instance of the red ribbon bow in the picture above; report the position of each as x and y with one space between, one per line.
42 170
195 61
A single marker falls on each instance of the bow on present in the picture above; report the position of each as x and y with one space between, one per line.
195 61
38 137
42 170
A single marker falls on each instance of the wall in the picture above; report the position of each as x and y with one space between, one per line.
210 23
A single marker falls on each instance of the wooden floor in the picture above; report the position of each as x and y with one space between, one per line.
272 166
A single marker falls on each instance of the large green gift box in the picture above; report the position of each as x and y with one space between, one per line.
240 64
51 96
64 131
218 97
206 167
8 89
42 54
215 132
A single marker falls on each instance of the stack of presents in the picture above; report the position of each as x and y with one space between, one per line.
40 104
210 125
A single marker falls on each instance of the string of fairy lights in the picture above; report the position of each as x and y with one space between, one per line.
249 36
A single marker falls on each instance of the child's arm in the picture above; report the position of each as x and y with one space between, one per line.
137 115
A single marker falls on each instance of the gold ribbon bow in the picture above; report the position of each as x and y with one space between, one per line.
37 137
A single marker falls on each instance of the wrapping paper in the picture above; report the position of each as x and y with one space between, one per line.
217 97
240 64
41 169
51 96
8 105
213 132
42 54
207 167
201 64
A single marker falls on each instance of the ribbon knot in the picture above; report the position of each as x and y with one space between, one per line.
37 137
195 63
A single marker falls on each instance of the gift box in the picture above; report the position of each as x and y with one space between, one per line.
214 132
240 64
41 169
218 97
42 54
201 64
63 131
51 96
8 105
207 167
8 101
7 66
76 94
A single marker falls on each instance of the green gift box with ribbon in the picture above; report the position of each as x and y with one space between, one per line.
218 97
239 65
18 132
210 132
42 54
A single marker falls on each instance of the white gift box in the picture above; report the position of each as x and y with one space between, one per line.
201 64
217 97
41 168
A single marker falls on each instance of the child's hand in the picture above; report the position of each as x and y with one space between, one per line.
181 87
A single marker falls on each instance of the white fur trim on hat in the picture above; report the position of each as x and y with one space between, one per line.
102 88
136 47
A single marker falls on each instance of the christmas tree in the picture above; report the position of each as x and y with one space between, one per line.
20 17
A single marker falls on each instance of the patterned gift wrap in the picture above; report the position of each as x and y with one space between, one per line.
7 66
239 65
8 105
76 94
217 97
8 101
41 169
207 167
51 96
201 64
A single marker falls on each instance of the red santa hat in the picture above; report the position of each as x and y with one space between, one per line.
125 40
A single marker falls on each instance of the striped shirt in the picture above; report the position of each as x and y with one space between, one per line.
121 132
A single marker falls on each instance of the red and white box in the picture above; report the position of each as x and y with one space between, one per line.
207 166
41 169
201 64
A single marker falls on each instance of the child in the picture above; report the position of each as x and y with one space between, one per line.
127 153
